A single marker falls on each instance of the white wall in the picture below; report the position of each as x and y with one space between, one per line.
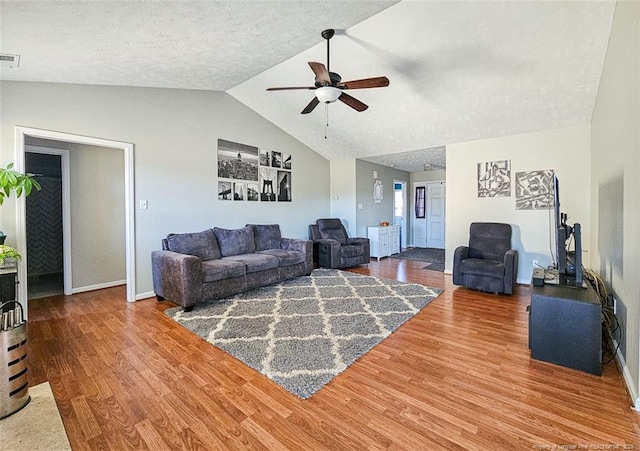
98 218
343 193
615 185
565 150
175 135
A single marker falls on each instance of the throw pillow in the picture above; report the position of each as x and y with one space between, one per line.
203 245
235 241
267 236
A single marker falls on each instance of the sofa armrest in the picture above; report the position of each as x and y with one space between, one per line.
510 270
459 254
304 246
177 277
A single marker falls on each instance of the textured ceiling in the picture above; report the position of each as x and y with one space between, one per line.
459 71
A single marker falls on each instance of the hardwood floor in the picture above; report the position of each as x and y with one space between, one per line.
456 376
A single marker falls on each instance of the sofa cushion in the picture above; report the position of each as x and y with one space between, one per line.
235 241
255 262
203 245
267 236
285 257
213 270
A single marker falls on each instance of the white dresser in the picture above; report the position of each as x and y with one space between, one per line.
384 241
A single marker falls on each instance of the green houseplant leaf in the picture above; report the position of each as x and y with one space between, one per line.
16 182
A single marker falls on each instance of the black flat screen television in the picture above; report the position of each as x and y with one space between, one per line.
568 262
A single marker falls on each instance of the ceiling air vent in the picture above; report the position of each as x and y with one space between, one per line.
7 60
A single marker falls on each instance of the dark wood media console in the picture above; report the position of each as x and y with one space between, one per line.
565 327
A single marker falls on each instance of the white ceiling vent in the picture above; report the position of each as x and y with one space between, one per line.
7 60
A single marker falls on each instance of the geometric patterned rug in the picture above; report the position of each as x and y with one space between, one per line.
302 332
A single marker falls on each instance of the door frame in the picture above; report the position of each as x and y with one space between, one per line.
403 226
20 147
66 211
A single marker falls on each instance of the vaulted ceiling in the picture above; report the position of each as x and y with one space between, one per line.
458 70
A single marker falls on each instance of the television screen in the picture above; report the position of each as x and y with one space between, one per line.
568 263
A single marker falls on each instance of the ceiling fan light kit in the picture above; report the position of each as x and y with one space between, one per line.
329 86
328 94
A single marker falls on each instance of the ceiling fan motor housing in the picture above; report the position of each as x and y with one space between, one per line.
335 79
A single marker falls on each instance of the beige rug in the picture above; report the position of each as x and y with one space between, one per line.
37 426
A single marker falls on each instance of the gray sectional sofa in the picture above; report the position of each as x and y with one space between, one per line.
217 263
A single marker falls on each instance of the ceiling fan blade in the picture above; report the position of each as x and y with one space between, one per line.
322 74
309 108
352 102
286 88
375 82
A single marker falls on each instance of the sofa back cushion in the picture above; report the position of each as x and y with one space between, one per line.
267 236
235 241
203 245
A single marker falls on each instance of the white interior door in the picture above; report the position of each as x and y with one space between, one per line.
435 214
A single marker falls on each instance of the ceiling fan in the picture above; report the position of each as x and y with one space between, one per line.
329 86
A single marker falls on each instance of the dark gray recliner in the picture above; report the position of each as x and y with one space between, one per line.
332 247
488 263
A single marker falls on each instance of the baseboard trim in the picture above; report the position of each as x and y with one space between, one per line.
147 295
98 286
626 375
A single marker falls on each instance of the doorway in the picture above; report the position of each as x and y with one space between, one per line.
400 209
47 221
129 219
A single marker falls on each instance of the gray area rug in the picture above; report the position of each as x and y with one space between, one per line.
435 257
302 332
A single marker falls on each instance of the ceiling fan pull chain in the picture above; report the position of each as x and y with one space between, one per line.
326 125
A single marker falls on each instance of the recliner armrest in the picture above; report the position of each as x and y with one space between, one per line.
510 270
328 252
366 244
329 242
459 254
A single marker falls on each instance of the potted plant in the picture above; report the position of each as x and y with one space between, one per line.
9 253
12 181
